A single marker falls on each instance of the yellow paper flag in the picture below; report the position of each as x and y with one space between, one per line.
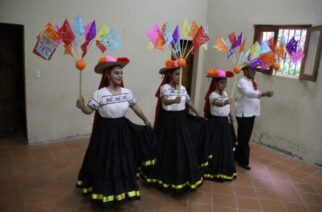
255 50
149 45
185 28
205 46
102 32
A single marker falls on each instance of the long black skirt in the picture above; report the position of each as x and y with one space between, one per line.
221 146
117 149
180 153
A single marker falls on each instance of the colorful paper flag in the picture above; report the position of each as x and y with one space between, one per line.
297 56
167 34
232 39
112 40
255 50
78 29
255 63
193 29
92 32
185 28
282 40
50 32
100 46
102 32
220 45
200 38
280 51
264 48
66 33
291 46
242 46
228 43
239 40
271 43
149 45
45 47
176 34
160 42
205 45
152 34
268 59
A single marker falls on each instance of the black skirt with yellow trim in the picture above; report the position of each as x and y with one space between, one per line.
116 151
180 153
221 145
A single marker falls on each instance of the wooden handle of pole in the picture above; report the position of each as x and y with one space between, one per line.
273 76
234 85
180 78
80 84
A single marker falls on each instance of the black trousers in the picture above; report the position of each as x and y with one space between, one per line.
245 129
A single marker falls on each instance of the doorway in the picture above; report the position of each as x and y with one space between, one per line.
12 81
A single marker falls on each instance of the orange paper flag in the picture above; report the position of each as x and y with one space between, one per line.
220 45
193 29
268 59
68 50
50 31
242 46
280 51
163 28
160 42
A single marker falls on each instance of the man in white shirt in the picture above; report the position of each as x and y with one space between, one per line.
247 108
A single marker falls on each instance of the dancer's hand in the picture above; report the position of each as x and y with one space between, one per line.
147 123
80 103
231 119
268 93
228 101
178 99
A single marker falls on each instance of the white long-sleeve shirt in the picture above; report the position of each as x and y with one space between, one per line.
109 105
248 99
219 111
171 93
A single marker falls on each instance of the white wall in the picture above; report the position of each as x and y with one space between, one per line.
51 111
291 121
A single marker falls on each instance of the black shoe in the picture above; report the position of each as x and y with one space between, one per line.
247 167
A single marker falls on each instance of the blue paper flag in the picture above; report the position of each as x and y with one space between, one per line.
45 47
176 47
282 40
264 48
78 29
228 43
111 41
167 34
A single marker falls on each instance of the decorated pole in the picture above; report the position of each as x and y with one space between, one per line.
158 37
75 37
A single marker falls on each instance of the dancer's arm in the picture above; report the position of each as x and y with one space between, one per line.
166 101
194 109
137 110
80 103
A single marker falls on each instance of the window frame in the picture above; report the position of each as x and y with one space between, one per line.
318 52
259 28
